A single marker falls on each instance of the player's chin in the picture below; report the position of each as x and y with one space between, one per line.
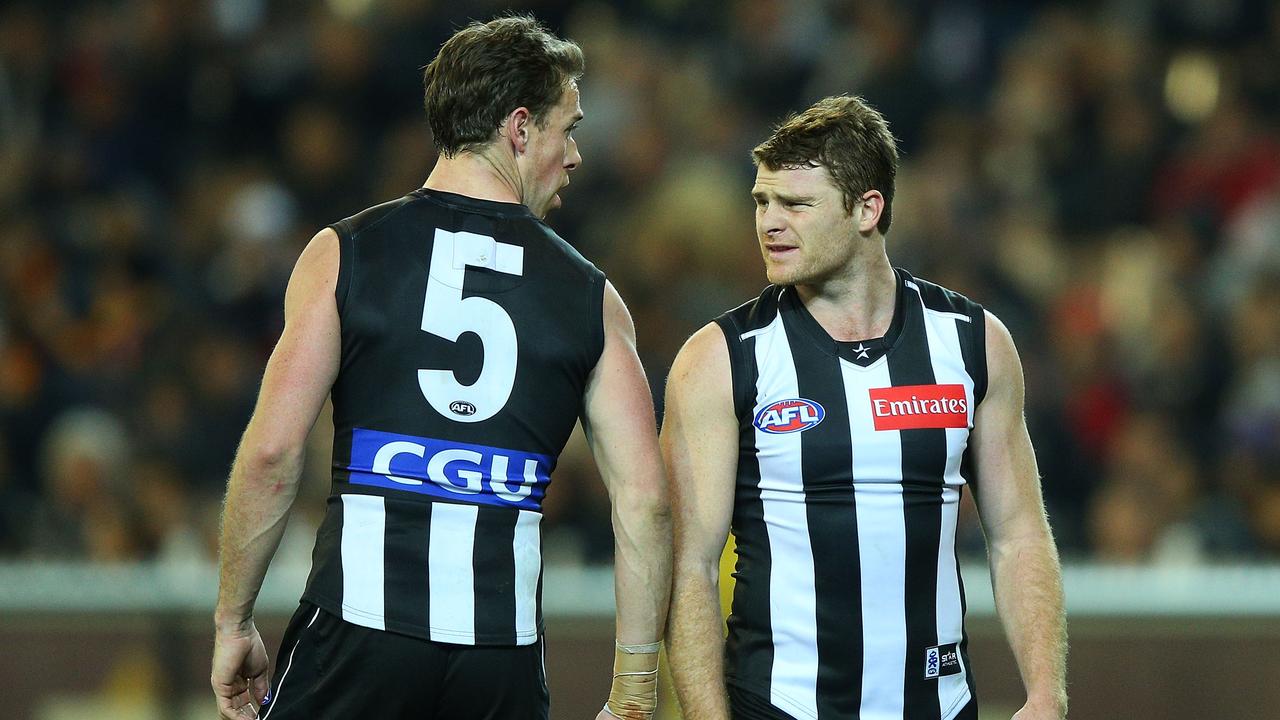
778 275
542 208
552 203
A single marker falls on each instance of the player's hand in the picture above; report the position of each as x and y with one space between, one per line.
1041 711
239 678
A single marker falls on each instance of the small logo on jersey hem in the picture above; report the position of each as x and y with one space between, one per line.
789 416
941 660
462 407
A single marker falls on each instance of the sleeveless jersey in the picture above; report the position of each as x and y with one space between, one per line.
469 330
848 600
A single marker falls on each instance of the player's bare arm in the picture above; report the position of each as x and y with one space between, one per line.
700 447
1024 560
618 418
264 478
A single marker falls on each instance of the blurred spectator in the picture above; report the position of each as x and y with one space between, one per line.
1150 491
1251 416
1105 177
168 532
87 509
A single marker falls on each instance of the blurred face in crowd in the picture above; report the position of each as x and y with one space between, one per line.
806 235
550 153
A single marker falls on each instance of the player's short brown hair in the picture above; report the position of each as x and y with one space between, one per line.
849 138
486 70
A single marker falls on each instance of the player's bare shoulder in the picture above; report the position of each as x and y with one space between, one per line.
701 376
1004 367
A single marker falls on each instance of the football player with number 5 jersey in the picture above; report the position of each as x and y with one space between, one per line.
460 339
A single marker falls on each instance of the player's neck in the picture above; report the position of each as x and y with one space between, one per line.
857 304
484 175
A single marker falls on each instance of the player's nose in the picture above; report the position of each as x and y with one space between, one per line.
771 220
574 158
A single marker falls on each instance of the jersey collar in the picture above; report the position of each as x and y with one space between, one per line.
863 353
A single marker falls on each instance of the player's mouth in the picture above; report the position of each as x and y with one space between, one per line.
778 251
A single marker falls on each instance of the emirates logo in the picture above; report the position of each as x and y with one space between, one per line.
913 407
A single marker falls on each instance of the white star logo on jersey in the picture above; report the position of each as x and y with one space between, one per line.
862 352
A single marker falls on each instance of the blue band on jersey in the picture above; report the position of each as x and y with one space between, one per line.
455 471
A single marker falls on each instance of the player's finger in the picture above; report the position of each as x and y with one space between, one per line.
241 700
227 709
229 688
248 699
240 707
261 686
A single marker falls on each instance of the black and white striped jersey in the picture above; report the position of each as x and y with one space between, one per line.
848 602
469 330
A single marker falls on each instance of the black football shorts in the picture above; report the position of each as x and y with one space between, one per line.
330 668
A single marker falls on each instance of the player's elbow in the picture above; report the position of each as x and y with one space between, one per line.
1031 536
645 497
694 566
273 462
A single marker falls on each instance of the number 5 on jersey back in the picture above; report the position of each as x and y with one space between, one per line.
445 313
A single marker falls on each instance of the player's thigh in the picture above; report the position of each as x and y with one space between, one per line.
495 683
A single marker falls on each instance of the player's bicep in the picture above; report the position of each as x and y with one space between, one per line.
618 415
700 447
1008 483
305 361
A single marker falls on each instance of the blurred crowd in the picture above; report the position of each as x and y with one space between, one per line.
1104 176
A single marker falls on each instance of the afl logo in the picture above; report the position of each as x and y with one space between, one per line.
788 416
463 408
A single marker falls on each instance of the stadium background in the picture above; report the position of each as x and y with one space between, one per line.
1104 176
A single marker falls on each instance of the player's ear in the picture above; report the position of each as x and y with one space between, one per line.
516 129
867 211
